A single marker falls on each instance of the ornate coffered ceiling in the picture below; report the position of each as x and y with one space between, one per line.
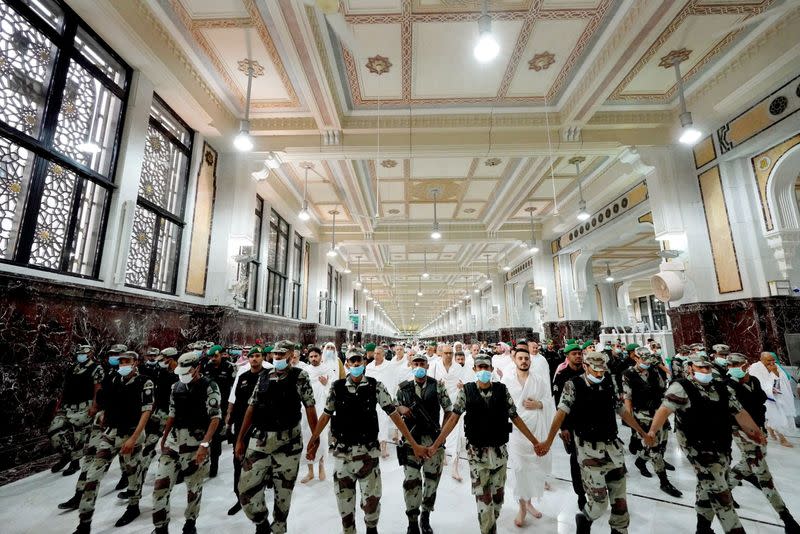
411 111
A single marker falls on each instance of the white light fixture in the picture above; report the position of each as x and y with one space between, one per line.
435 233
533 249
334 249
425 273
419 287
304 215
487 48
357 283
609 278
346 269
583 215
689 134
506 266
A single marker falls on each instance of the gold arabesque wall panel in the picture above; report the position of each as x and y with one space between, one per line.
202 222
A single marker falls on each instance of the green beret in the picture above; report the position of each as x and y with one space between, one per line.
587 344
255 349
267 349
214 350
572 346
571 341
631 346
431 343
369 347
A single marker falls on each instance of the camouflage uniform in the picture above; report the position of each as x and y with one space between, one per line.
488 466
182 445
358 464
273 455
110 442
69 430
602 464
419 494
712 465
645 417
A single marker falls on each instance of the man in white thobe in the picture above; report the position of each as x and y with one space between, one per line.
322 375
539 365
780 399
453 375
384 371
534 402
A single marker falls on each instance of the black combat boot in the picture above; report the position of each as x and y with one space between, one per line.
425 523
413 525
59 465
161 530
189 528
131 513
667 487
669 466
372 530
233 510
123 482
703 526
72 503
790 526
264 527
124 495
83 528
73 467
583 525
642 466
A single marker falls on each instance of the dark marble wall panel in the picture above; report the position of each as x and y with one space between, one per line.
578 329
749 326
523 332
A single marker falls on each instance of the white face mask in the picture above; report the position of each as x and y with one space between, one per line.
185 378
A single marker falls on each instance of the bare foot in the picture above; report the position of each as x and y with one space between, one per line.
321 471
772 433
308 478
533 511
384 450
456 476
547 486
785 442
519 521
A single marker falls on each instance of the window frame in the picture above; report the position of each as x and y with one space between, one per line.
42 147
297 270
253 266
276 279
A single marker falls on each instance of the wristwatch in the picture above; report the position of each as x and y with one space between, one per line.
204 444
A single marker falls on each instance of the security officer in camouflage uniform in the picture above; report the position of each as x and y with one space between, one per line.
275 444
127 403
354 441
753 464
163 378
488 407
719 361
419 401
222 371
149 366
109 365
193 418
678 364
71 426
591 401
643 388
704 409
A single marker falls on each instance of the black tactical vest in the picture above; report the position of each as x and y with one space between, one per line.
278 402
486 423
163 382
753 401
244 389
593 414
706 423
356 419
79 387
190 404
407 395
124 403
223 375
646 395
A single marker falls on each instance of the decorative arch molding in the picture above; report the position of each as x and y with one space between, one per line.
780 188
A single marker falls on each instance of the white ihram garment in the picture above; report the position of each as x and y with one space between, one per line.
386 373
456 443
780 399
320 396
529 470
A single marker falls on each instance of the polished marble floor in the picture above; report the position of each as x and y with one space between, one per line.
29 505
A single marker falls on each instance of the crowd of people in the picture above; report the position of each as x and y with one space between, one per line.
499 407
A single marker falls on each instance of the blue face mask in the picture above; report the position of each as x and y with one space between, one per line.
357 371
82 358
722 362
420 372
125 370
644 365
163 365
701 353
198 352
280 365
736 373
594 379
113 361
703 378
484 376
235 352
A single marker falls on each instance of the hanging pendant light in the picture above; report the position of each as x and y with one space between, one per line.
689 134
487 48
243 142
334 249
534 248
609 278
304 214
425 273
506 266
435 233
419 287
583 215
357 283
488 280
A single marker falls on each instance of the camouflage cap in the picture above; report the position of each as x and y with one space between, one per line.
207 344
700 360
169 352
187 362
653 358
283 346
153 351
83 349
129 355
721 349
597 361
355 353
684 348
697 346
736 359
117 349
420 356
642 352
483 359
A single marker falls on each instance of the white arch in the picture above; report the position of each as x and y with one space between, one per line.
781 197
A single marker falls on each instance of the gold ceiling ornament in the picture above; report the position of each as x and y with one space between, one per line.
541 61
306 165
378 64
492 162
674 56
388 164
247 64
576 159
